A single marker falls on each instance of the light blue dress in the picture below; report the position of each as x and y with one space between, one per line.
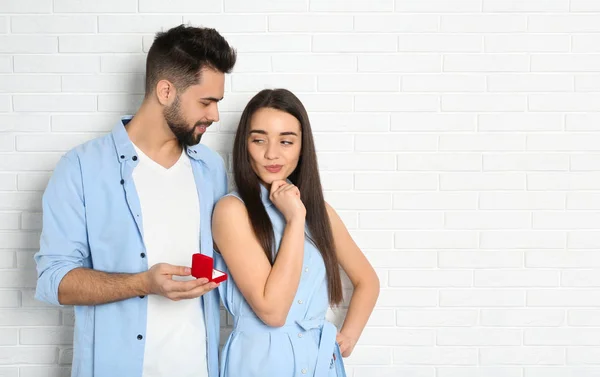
304 346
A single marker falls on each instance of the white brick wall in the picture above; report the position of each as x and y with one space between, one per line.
458 139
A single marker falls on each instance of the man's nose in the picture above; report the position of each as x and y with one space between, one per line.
213 114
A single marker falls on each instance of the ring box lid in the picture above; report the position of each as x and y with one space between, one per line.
202 267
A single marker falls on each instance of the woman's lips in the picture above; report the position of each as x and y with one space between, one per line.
274 168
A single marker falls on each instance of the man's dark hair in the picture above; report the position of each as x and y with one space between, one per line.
179 54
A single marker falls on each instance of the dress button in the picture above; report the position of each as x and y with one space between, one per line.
143 255
303 371
140 337
300 302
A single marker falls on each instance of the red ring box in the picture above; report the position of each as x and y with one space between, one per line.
202 267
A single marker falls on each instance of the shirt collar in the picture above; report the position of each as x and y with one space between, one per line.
264 196
124 147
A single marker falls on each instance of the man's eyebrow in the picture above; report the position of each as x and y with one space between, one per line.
212 99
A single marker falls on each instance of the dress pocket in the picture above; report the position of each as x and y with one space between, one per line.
338 363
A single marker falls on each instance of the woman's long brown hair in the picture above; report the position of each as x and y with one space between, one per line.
305 177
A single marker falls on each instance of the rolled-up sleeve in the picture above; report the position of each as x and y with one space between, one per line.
63 242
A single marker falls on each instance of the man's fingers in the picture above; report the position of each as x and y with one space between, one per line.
169 269
197 292
184 286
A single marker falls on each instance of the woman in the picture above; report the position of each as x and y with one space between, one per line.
281 244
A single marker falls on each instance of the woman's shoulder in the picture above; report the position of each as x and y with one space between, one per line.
229 204
234 194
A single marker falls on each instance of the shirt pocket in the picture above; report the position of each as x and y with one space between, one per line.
337 368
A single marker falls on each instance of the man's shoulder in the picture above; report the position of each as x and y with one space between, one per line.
102 146
89 156
214 165
93 149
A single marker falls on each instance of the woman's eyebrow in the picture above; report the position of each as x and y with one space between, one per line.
285 133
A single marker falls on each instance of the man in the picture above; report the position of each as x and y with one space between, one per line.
123 214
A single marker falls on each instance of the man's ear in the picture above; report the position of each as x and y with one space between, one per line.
165 92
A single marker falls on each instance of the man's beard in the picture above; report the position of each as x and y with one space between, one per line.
179 127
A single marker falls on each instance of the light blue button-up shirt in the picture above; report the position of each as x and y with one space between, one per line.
92 218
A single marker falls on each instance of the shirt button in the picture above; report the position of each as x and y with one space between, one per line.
140 337
300 335
142 296
134 158
303 371
300 302
122 181
122 157
306 269
143 255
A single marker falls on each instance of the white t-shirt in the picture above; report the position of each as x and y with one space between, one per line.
175 332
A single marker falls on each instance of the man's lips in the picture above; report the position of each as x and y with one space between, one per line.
202 127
